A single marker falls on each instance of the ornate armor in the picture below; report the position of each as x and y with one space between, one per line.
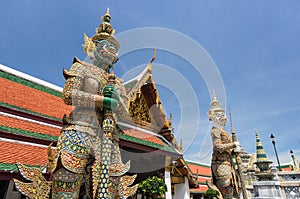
88 147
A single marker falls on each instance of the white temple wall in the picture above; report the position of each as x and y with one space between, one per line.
168 183
182 190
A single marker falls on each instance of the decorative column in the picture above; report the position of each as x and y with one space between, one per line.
273 142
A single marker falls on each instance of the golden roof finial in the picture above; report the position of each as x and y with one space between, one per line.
180 146
152 60
171 121
154 56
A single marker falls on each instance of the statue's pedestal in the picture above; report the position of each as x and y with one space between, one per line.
267 190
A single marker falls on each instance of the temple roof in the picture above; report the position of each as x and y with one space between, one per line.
143 95
22 152
23 94
199 189
204 170
203 173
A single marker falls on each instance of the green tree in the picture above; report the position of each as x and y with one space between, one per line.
211 194
153 187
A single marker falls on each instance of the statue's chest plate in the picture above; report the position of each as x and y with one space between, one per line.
95 79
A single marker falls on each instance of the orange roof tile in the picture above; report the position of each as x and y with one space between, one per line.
203 180
28 126
32 99
25 154
144 136
202 170
289 168
199 189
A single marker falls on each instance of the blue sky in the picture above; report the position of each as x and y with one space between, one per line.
255 46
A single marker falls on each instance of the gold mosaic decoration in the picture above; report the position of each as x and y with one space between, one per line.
38 188
139 110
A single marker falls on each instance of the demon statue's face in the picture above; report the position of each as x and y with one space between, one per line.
105 53
219 119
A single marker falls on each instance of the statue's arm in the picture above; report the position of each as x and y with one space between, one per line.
73 93
217 142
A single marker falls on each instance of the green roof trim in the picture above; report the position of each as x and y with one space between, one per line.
147 143
8 167
13 167
29 111
285 166
29 83
29 133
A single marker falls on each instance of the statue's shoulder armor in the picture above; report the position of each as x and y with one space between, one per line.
83 69
77 70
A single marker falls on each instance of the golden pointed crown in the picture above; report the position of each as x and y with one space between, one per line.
105 30
215 104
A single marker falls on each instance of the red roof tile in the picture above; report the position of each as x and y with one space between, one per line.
28 126
32 99
25 154
144 136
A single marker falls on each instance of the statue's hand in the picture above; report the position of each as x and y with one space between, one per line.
110 103
238 147
237 144
111 98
